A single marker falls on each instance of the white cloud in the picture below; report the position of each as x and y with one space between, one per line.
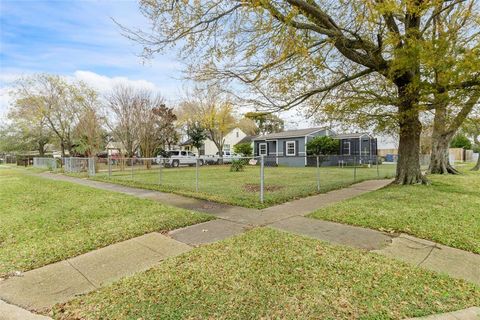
5 100
104 84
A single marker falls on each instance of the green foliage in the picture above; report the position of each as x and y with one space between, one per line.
245 149
322 146
354 63
266 122
197 134
237 165
461 141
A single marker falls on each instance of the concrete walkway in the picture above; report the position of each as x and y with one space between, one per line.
12 312
290 217
466 314
247 216
59 282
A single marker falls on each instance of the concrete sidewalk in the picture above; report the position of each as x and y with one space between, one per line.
41 288
247 216
59 282
290 217
472 313
12 312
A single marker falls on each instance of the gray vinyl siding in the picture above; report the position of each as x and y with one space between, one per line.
369 146
279 145
291 161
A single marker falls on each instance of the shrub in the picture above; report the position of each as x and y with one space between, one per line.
323 145
461 141
237 165
245 149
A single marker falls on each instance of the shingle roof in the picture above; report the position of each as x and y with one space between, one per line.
186 143
289 134
247 139
351 135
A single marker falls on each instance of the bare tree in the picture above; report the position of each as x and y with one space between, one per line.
154 120
52 99
122 105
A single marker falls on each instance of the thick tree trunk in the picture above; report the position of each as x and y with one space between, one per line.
62 148
439 159
41 149
408 166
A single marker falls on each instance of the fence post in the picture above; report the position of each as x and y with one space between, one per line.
109 166
196 175
354 168
91 166
262 177
378 172
160 172
131 163
318 173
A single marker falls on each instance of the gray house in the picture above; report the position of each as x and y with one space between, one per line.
289 147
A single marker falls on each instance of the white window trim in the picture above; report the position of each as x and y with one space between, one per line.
260 149
349 147
294 148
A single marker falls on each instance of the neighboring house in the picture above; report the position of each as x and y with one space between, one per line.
247 139
289 147
357 144
209 148
115 148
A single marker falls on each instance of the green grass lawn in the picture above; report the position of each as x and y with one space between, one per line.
268 274
447 211
44 221
218 184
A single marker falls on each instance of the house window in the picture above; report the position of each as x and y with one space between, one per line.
262 149
226 148
346 148
365 147
237 134
290 146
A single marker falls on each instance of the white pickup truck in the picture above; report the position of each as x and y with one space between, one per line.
178 158
227 158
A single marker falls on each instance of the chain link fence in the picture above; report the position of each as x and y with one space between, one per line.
251 181
48 163
68 165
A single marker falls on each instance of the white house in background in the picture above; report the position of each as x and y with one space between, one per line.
209 148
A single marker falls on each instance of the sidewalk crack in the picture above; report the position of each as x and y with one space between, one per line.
84 276
427 256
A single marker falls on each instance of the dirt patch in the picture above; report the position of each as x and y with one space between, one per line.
250 187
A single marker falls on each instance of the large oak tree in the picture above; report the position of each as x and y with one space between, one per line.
296 52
